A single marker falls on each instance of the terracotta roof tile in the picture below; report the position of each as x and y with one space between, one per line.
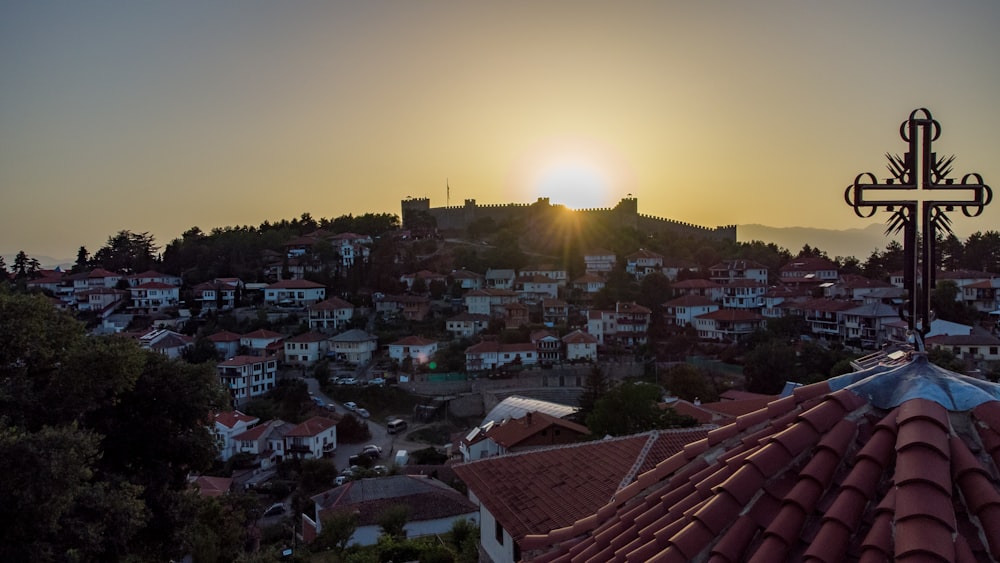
873 466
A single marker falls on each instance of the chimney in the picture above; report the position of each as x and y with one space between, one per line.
697 401
527 419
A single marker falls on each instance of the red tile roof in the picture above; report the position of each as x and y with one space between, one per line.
224 336
311 336
295 284
512 432
542 490
312 427
332 304
414 340
230 418
877 465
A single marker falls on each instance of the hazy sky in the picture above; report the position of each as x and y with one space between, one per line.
159 116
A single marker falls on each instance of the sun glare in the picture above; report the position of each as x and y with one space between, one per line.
577 172
573 182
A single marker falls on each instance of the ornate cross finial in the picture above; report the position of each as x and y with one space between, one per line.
931 192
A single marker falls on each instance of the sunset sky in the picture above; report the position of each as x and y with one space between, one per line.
160 116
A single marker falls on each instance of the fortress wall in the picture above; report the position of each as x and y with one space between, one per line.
625 214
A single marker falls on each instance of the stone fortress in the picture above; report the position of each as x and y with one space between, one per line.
625 214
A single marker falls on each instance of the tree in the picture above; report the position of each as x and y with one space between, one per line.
82 263
689 383
127 252
631 408
595 387
393 520
767 366
79 411
337 530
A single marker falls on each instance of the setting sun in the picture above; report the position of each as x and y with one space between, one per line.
574 183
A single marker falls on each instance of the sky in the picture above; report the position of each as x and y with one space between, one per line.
160 116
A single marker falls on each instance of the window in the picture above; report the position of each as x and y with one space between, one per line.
498 531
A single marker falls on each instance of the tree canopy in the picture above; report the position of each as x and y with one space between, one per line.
98 437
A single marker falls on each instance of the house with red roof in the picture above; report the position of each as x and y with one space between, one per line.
432 507
294 293
976 349
467 280
533 430
226 425
409 307
352 247
102 300
555 312
226 342
984 295
330 314
896 462
153 297
426 276
549 346
265 442
728 325
312 439
419 349
493 354
580 346
588 284
515 315
626 325
94 279
537 491
698 286
535 288
808 271
167 342
681 311
218 294
489 301
306 349
262 342
209 486
152 276
548 270
740 270
643 262
246 377
853 287
467 325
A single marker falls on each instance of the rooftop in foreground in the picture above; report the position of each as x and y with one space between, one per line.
892 462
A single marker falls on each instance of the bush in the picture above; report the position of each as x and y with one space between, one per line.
428 456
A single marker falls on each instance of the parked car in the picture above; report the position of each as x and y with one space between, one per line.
330 407
379 381
381 470
276 509
363 413
351 406
347 381
395 425
372 450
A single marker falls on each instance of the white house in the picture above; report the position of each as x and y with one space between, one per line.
262 342
246 377
730 271
467 280
353 248
728 324
227 343
599 262
266 442
682 310
589 283
467 325
312 439
643 262
536 288
552 272
226 425
294 293
153 297
306 349
626 325
152 276
580 346
491 354
332 314
419 349
489 301
167 342
502 278
217 294
355 346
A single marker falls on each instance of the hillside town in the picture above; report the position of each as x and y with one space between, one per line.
453 378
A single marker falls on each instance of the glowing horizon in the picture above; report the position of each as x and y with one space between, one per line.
163 117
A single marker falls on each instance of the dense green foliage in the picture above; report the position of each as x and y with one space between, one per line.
97 440
631 408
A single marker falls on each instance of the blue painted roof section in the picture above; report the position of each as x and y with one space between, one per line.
887 388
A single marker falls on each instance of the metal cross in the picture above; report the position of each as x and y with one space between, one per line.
919 182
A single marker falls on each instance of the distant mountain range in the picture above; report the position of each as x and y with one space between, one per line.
849 242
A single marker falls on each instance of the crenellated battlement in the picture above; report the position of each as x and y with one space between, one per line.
625 214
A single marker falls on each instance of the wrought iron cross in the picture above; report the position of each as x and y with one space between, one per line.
919 182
